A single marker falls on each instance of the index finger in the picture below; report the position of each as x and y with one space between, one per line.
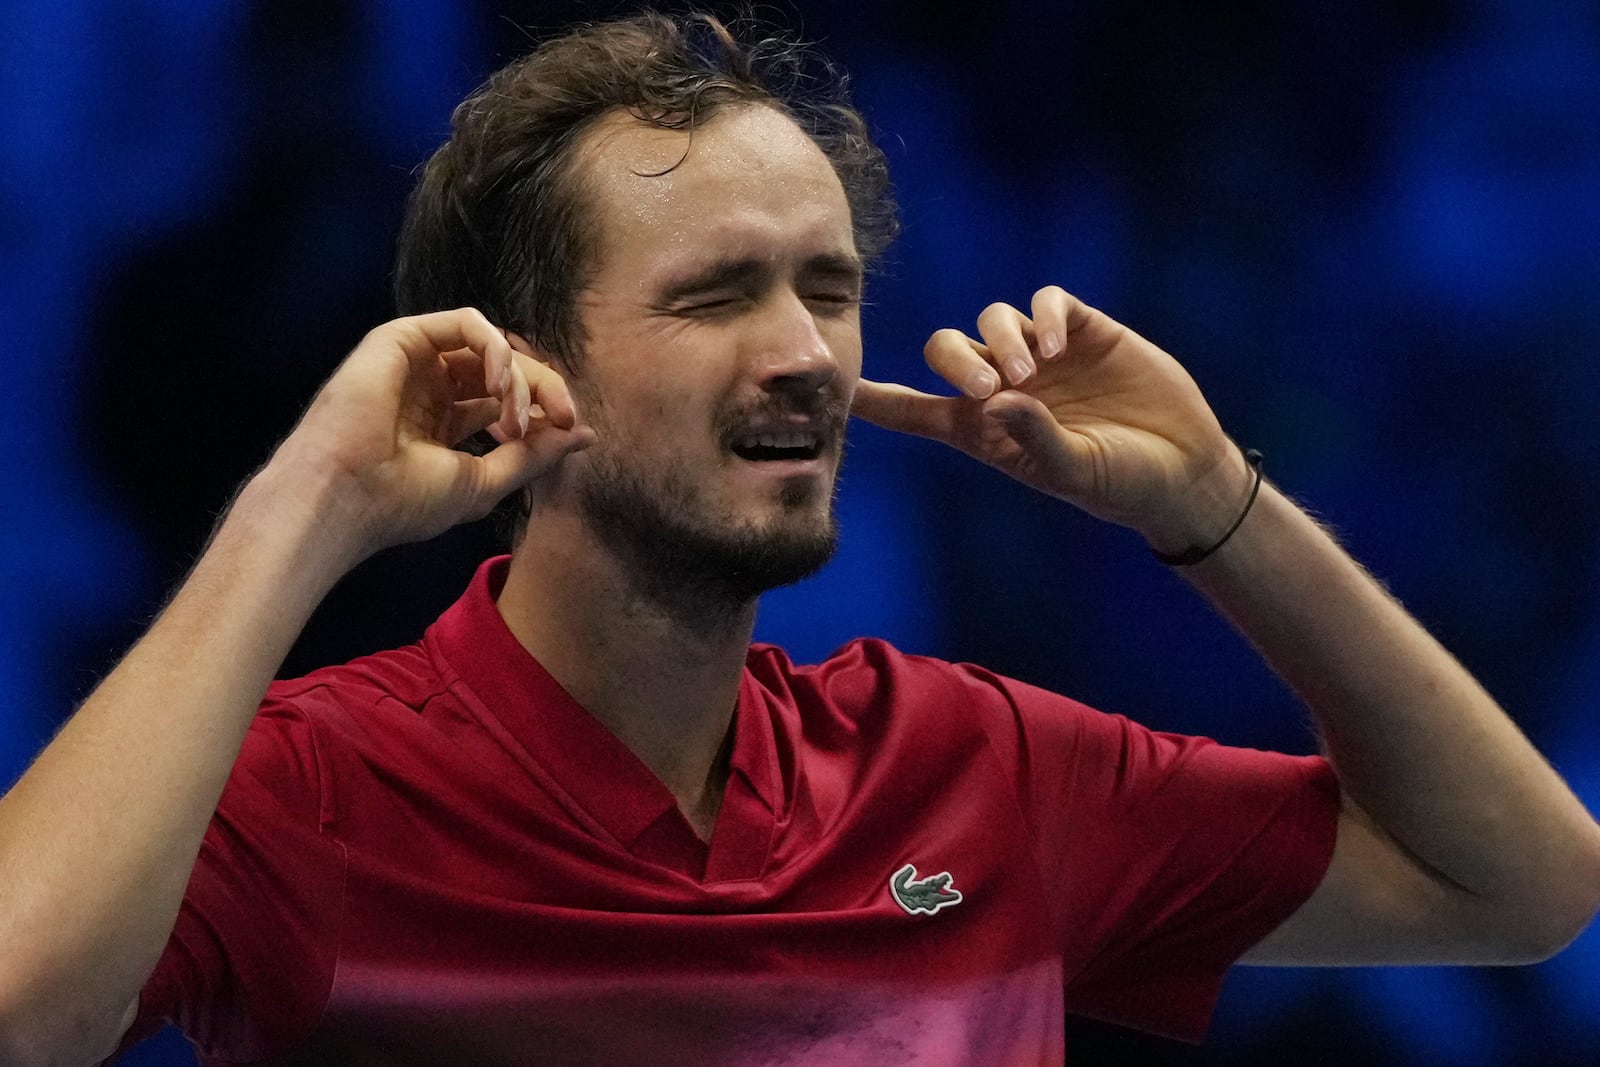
550 389
906 410
425 337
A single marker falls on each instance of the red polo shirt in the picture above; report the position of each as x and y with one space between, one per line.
435 855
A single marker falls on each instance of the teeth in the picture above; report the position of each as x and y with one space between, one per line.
780 440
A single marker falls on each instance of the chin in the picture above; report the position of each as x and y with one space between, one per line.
693 553
804 494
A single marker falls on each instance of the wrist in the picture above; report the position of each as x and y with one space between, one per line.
307 509
1209 510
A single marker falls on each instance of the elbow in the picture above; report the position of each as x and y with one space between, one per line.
56 1009
1545 935
1581 903
1547 922
16 1044
1574 921
1513 935
19 1043
30 1038
19 1050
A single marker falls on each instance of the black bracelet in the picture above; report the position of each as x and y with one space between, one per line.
1192 554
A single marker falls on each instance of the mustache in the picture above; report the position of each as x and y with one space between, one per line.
826 411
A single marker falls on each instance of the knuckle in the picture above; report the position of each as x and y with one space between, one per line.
943 339
392 328
468 320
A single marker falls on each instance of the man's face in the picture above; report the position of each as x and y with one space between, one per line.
723 343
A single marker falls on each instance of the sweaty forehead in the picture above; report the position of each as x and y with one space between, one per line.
747 174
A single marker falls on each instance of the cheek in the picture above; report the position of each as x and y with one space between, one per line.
660 423
846 346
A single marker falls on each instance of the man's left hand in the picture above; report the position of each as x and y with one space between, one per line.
1079 406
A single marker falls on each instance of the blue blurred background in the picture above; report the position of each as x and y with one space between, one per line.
1372 232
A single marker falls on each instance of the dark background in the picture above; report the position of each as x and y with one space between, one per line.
1372 233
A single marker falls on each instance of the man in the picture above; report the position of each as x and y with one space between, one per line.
583 820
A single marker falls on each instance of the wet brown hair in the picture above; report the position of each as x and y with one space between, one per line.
498 219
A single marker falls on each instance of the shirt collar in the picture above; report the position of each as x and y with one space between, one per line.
595 769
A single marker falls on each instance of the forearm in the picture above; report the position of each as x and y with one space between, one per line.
98 839
1415 740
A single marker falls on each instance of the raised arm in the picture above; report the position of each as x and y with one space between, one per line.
1457 842
97 840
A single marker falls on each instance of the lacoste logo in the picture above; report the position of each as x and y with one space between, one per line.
924 895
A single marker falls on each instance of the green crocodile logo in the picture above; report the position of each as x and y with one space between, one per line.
923 896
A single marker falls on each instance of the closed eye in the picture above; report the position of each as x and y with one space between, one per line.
720 304
835 301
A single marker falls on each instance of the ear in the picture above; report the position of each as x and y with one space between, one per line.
521 344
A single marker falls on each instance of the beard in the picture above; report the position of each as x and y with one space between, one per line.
686 555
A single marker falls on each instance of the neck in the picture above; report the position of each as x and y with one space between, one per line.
659 667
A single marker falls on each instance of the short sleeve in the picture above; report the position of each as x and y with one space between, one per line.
249 965
1166 857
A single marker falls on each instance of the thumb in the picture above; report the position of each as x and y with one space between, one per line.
518 461
1031 425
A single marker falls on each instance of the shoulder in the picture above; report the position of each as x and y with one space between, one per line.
397 684
869 692
305 724
869 679
407 675
872 667
866 672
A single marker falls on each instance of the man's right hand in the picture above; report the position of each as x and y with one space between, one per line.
385 425
98 839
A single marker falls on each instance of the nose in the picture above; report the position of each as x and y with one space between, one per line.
792 353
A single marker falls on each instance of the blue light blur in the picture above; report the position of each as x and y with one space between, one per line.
1372 234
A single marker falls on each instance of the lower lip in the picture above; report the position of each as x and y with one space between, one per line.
815 467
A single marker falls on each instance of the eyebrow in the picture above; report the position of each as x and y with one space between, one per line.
734 273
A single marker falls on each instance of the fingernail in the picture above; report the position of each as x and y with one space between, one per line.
505 379
522 418
1017 368
1049 346
983 384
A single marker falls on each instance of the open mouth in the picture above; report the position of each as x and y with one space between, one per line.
790 445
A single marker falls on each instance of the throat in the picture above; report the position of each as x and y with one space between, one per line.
701 812
700 809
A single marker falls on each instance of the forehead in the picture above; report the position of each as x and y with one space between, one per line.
749 182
